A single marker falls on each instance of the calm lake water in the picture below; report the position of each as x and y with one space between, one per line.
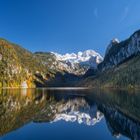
43 114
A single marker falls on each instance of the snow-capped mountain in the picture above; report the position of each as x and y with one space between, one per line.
80 57
78 63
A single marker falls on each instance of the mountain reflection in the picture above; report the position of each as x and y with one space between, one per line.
119 108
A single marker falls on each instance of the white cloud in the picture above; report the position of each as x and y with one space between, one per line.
124 14
96 12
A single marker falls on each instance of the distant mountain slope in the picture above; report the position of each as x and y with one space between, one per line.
72 63
69 69
18 66
120 67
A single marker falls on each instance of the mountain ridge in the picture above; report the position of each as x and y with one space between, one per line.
119 68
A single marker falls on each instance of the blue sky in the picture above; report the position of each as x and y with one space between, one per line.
68 25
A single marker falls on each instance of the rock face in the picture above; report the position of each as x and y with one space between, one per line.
112 43
24 84
117 53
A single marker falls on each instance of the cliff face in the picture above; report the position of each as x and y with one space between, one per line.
119 52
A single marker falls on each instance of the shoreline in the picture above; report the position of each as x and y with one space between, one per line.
73 88
50 88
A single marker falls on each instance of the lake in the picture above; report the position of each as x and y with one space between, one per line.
69 114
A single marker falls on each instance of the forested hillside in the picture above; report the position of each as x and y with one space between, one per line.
19 67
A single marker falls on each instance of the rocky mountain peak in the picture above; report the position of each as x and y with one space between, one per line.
118 52
111 44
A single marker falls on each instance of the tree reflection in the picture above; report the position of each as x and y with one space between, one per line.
120 109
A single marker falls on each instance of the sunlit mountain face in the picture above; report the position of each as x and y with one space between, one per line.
119 109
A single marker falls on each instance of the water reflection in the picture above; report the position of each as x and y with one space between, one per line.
119 108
